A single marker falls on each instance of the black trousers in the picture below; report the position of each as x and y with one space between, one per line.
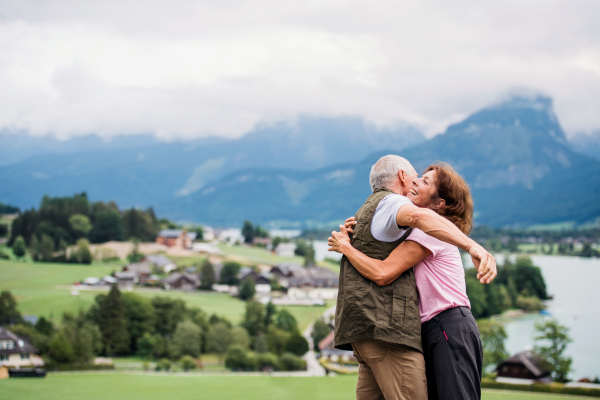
453 355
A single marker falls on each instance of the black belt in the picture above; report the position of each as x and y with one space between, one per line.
450 313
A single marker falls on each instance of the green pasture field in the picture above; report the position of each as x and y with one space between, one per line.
193 386
34 286
258 255
253 255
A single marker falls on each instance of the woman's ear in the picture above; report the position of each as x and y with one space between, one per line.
439 203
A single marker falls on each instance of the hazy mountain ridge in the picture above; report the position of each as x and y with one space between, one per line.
588 144
144 171
514 155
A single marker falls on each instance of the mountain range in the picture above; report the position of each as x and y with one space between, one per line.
142 171
313 173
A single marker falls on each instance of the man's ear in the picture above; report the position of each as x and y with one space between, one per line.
403 177
439 203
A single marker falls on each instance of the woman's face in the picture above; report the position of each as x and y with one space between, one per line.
423 190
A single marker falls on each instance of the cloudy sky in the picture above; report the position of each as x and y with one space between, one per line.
195 68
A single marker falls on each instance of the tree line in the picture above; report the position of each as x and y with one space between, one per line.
60 222
519 285
161 328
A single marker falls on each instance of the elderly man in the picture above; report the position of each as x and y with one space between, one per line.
382 324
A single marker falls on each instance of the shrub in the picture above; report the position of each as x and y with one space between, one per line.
320 330
83 251
286 321
19 247
290 362
146 345
248 289
60 349
276 340
296 344
186 339
529 303
238 359
266 360
163 365
187 363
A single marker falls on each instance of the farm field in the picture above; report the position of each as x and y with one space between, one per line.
207 387
34 286
255 255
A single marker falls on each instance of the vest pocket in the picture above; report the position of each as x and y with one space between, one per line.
398 311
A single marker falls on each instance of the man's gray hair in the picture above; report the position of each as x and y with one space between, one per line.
385 171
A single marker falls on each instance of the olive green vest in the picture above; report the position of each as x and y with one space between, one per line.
367 311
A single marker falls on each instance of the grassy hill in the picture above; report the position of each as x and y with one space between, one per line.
42 288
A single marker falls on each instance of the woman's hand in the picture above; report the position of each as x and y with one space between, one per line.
339 241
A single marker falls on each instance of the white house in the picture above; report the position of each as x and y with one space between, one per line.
16 352
313 283
286 249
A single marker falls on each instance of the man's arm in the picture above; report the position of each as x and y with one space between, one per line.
439 227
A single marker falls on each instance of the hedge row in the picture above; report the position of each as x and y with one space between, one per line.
553 388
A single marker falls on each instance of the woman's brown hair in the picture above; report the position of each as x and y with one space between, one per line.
455 191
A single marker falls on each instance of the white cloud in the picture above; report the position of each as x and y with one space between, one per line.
183 68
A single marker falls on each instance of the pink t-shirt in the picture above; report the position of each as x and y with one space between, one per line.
440 277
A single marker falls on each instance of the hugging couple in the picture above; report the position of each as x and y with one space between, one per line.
402 305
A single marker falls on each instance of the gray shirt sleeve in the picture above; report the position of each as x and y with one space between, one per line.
384 227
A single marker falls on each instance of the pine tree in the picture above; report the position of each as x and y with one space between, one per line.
19 247
113 323
9 314
208 276
47 247
34 247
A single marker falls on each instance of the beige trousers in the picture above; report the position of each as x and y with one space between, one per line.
389 371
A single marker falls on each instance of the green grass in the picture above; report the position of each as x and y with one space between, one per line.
151 387
257 255
34 286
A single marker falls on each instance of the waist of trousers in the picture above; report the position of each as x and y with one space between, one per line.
451 312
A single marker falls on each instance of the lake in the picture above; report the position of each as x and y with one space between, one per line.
573 282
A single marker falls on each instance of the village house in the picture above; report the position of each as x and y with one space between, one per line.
283 272
262 283
332 359
100 282
286 250
181 281
313 283
126 279
142 271
522 368
176 238
205 248
328 350
161 262
16 352
266 242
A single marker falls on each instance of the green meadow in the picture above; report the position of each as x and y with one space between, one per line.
205 387
36 288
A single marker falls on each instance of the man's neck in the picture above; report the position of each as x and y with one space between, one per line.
399 188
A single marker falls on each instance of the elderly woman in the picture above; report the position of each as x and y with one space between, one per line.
451 342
